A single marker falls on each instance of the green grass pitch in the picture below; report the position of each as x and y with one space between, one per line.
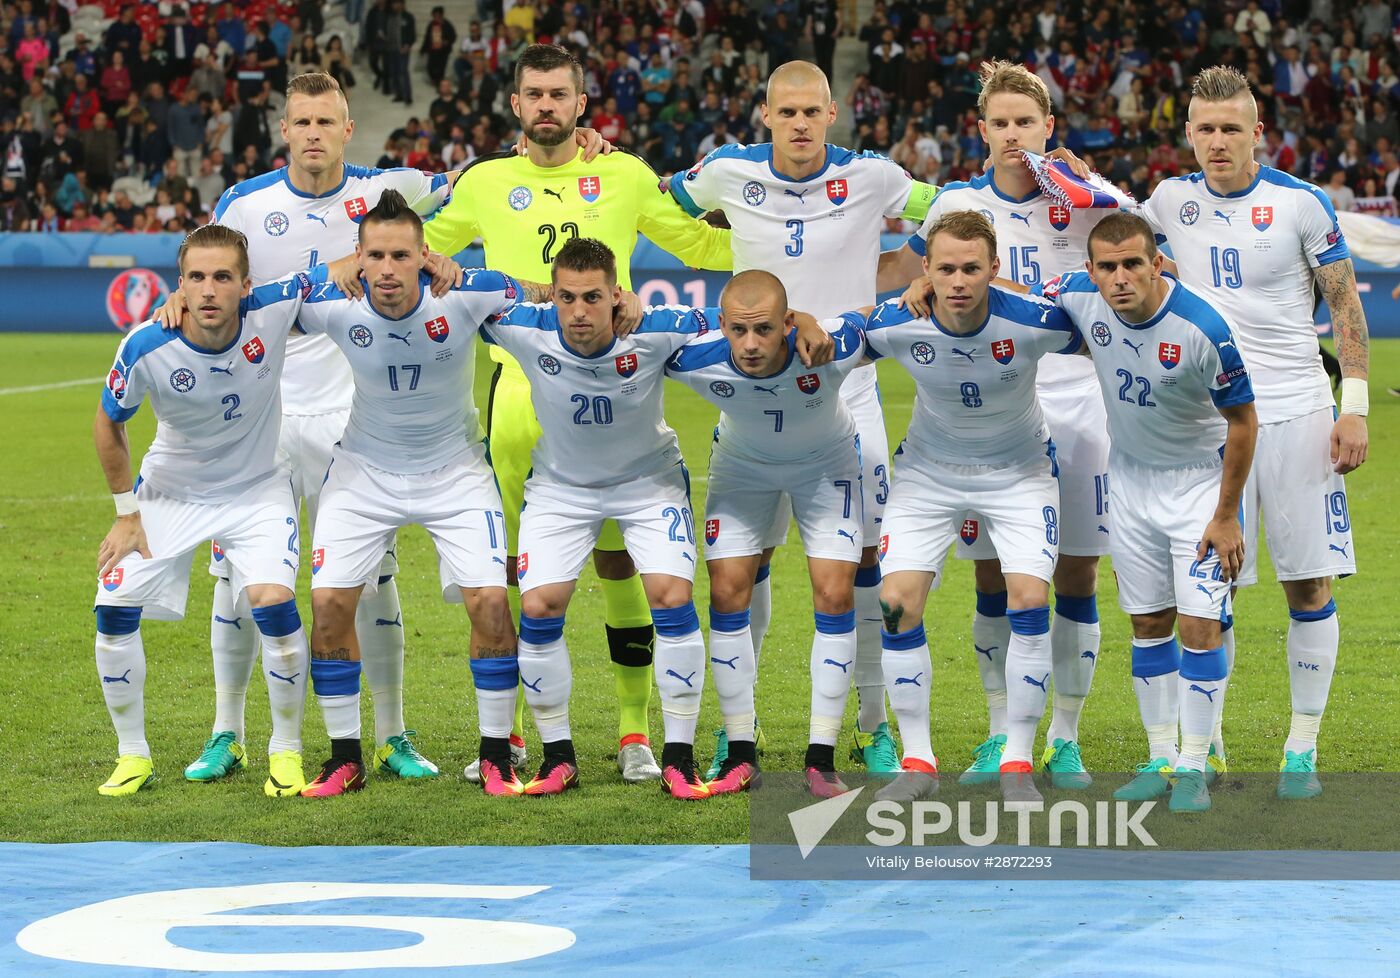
58 744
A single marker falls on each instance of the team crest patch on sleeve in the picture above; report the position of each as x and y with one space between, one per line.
356 209
116 383
809 383
590 189
711 532
837 191
1059 217
112 579
1261 217
1168 354
884 545
437 329
626 364
1003 351
254 351
318 559
969 531
522 564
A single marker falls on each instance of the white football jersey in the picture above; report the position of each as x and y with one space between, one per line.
820 235
602 418
219 411
1164 380
795 415
975 397
1037 239
1253 254
288 230
413 409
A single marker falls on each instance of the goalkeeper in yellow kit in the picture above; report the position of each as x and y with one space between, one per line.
524 208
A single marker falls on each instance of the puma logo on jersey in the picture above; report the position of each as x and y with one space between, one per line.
1135 347
965 353
556 194
769 390
1341 550
223 370
404 337
316 217
1225 217
801 195
1023 218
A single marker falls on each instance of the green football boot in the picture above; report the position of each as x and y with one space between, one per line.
221 756
986 762
1298 776
1063 762
397 755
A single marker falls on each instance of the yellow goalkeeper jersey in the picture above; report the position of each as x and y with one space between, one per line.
524 213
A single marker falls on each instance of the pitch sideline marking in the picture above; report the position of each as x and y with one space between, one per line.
39 388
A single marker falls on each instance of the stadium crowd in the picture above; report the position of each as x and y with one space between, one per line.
136 117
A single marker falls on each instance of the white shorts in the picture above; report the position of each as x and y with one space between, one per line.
1158 518
1079 427
825 496
304 448
862 396
560 524
259 535
1301 501
363 507
932 504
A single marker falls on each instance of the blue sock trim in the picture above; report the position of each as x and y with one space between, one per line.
1227 623
1030 621
502 673
842 624
335 677
1083 610
675 622
991 605
278 620
541 631
868 576
1325 612
903 641
1207 666
763 573
113 620
1156 660
729 621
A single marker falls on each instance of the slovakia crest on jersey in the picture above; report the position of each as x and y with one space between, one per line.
1261 217
590 189
522 564
837 191
254 351
968 532
809 383
884 544
1003 351
113 579
318 558
626 364
216 550
356 209
437 329
1059 217
711 532
1168 354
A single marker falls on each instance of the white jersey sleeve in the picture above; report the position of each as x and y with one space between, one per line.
1163 381
1253 254
602 417
413 409
975 400
793 415
219 411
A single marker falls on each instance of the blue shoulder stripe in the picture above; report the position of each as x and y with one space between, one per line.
355 170
1025 310
1201 314
678 319
534 315
699 353
1078 281
486 280
144 339
888 313
271 293
246 187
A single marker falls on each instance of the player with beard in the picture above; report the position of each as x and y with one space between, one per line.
524 208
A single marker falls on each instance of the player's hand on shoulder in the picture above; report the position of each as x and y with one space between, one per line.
627 314
593 143
126 536
1077 166
1225 536
918 298
1349 443
446 273
172 313
344 273
815 346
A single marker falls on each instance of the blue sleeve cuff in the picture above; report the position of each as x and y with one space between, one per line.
918 245
114 410
1338 252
